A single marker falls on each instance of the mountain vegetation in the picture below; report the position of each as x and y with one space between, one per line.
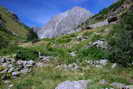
103 53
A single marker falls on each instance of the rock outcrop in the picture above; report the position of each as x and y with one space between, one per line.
82 84
64 23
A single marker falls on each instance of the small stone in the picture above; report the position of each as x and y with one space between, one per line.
24 71
19 62
11 69
72 54
39 64
10 86
45 58
98 66
15 73
99 44
103 62
4 71
5 64
5 77
10 65
98 62
7 81
114 65
103 82
2 60
31 62
24 63
11 60
65 67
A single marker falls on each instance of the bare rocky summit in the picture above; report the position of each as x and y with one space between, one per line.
63 23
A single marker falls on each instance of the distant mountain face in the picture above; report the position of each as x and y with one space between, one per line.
63 23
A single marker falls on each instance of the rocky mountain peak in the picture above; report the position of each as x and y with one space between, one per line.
77 8
64 23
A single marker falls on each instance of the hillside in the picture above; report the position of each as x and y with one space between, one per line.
99 56
113 12
12 31
12 24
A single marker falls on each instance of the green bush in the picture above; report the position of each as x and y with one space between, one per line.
65 38
122 41
4 38
26 54
113 7
32 36
92 53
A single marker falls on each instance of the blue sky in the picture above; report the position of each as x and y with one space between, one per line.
36 13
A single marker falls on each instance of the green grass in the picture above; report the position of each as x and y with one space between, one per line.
92 54
62 46
49 77
12 24
103 14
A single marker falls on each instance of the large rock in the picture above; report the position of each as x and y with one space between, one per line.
64 23
99 44
118 85
82 84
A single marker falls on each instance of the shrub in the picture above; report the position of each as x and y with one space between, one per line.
4 40
121 42
92 53
26 54
65 38
32 36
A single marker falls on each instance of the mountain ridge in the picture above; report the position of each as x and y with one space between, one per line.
61 23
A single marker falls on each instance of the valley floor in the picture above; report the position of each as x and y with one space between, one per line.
51 74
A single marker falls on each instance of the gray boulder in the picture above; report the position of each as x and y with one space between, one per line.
82 84
102 62
64 23
114 65
99 44
118 85
103 82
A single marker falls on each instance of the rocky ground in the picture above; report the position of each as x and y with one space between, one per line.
18 68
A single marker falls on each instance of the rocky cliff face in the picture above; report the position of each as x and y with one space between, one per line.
64 23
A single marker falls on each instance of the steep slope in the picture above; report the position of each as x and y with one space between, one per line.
12 31
11 24
63 23
111 14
